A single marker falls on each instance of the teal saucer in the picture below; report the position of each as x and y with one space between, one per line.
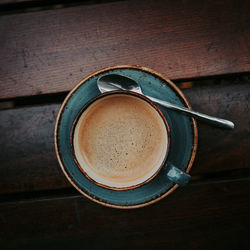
183 138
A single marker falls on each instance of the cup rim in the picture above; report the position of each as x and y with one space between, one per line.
123 92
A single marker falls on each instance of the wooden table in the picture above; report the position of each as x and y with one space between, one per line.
46 47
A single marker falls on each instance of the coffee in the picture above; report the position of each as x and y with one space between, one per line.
120 140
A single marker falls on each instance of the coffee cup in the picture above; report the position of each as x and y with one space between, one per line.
121 140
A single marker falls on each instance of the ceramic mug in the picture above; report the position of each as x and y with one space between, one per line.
121 140
183 133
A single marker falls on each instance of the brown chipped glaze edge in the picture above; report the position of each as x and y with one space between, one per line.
174 87
124 93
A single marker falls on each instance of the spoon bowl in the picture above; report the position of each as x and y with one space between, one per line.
117 82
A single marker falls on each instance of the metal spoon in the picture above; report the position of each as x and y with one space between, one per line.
117 82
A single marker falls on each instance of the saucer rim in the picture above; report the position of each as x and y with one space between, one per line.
106 69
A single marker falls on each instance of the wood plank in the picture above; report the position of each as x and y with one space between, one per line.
50 51
218 149
20 6
15 1
46 2
27 1
28 161
210 216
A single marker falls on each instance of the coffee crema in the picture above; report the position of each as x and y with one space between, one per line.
120 141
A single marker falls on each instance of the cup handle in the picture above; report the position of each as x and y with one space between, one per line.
177 176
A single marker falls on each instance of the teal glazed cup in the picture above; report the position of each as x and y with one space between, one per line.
175 164
121 140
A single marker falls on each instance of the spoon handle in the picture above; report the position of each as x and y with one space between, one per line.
207 118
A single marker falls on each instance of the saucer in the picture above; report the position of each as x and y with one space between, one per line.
183 129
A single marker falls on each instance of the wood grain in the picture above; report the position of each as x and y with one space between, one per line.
219 149
50 51
195 217
28 161
15 1
27 3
